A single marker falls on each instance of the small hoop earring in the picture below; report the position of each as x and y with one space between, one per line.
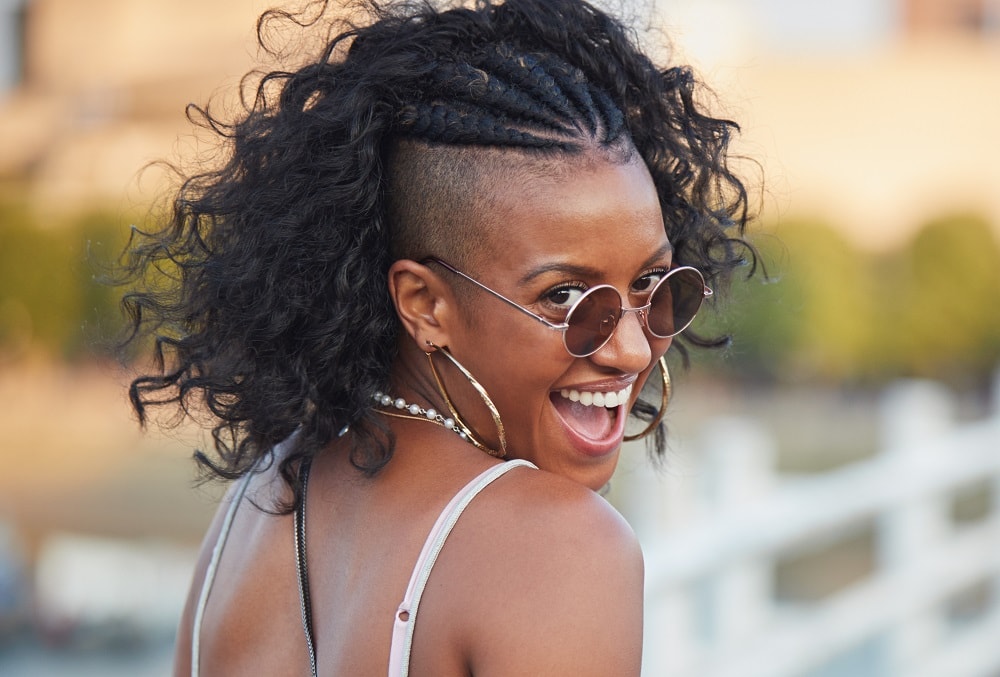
501 434
665 400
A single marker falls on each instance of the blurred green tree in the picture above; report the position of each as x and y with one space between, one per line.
833 332
759 313
51 302
829 311
808 317
941 302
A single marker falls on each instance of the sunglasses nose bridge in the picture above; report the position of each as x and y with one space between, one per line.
642 312
631 348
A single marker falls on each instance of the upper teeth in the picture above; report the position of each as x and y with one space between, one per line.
589 398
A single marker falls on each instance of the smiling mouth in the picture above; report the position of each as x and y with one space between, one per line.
592 415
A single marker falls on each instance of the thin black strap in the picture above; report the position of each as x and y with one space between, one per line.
300 561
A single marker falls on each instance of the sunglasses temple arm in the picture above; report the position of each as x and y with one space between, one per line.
513 304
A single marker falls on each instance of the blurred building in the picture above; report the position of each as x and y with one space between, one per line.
92 91
958 16
872 115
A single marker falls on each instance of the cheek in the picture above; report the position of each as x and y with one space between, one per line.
523 374
659 349
516 361
522 369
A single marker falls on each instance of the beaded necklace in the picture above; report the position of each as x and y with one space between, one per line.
399 408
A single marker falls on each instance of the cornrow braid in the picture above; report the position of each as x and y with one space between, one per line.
511 98
571 84
464 125
476 87
613 117
525 73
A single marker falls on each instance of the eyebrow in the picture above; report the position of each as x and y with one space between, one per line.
587 271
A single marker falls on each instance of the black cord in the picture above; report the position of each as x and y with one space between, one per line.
300 561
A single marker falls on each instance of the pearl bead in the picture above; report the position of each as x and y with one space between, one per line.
430 414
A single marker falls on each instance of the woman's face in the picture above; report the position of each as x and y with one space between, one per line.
557 237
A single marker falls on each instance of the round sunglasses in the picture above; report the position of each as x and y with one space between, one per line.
591 321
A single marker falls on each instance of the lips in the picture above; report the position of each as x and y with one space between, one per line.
595 419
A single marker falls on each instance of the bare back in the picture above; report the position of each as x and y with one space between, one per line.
364 536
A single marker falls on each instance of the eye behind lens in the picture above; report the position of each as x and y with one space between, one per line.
592 320
675 302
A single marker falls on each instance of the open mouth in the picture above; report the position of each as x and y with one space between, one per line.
593 416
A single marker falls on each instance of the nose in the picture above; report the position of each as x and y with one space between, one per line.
628 349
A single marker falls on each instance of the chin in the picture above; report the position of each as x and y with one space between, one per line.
592 473
598 485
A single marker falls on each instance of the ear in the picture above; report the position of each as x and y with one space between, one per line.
424 303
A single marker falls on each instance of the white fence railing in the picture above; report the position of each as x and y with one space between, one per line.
713 539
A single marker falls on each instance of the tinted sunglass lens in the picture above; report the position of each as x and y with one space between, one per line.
592 321
675 302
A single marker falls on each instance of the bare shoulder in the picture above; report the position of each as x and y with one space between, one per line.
563 514
552 578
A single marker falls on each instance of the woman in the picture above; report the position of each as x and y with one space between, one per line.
418 301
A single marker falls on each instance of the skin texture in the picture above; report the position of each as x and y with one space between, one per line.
540 576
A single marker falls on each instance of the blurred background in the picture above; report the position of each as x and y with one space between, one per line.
830 505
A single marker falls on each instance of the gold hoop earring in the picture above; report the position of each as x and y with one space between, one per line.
665 400
501 433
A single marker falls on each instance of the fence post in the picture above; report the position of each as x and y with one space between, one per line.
739 472
654 498
915 417
995 488
657 502
670 643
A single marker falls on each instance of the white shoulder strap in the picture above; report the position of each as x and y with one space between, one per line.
406 614
213 564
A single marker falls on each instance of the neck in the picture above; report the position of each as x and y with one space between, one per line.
413 382
411 378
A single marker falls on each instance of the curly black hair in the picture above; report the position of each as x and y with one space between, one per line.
265 290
